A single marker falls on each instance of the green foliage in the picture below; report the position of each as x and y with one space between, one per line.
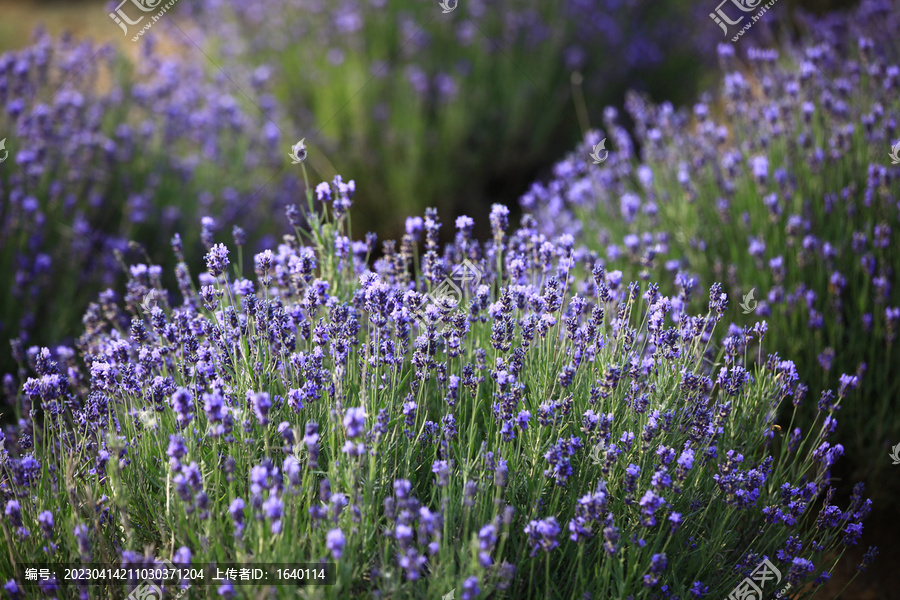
562 465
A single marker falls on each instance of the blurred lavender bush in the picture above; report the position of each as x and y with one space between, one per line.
780 185
549 431
448 109
102 152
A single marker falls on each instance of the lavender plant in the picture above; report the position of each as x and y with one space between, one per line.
549 431
463 99
782 188
103 151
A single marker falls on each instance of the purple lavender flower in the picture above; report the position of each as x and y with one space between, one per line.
757 247
188 484
470 588
82 537
558 457
718 300
12 588
354 422
487 538
273 508
800 568
226 590
684 464
182 403
698 590
499 221
675 520
239 235
470 489
182 556
323 192
412 562
501 473
629 204
441 468
658 563
213 406
760 166
522 419
868 559
45 519
852 534
414 226
311 440
217 260
465 225
542 535
631 475
176 451
236 510
409 411
848 383
650 503
261 404
335 542
263 262
13 512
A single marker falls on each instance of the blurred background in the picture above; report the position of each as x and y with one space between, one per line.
423 108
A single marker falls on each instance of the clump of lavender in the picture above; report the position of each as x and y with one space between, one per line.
779 187
593 421
99 162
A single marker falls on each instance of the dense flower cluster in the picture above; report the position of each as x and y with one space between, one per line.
781 187
553 424
556 411
94 161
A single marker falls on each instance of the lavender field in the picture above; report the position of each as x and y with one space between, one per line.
471 299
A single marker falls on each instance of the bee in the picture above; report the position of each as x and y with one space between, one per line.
776 428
